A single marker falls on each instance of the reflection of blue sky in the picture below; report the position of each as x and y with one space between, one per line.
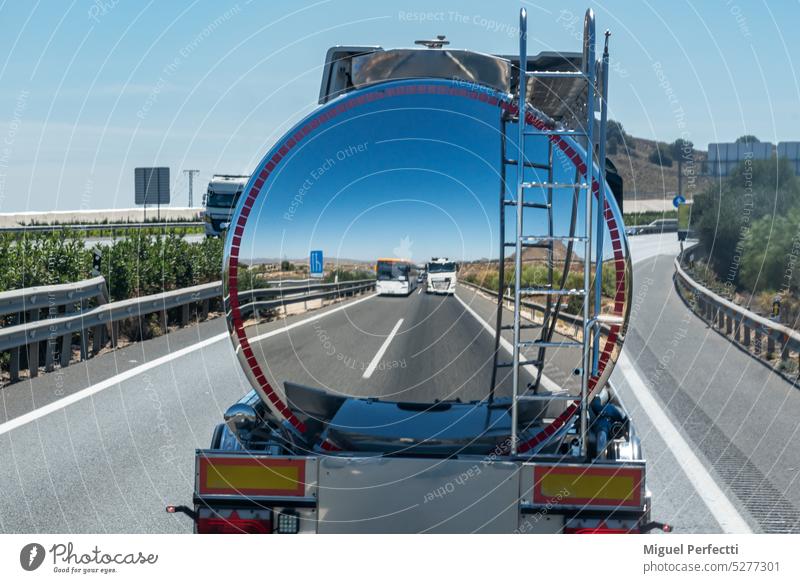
414 176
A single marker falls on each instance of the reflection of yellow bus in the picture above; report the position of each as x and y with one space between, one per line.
397 277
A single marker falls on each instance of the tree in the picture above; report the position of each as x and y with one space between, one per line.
287 266
725 216
681 149
747 139
770 252
617 138
661 157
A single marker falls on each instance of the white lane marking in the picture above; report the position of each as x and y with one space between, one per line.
714 498
102 385
382 350
310 319
547 382
420 291
129 374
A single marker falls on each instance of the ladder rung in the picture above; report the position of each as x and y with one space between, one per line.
544 291
582 185
529 245
557 132
556 74
555 237
538 166
610 319
532 205
547 398
521 363
549 344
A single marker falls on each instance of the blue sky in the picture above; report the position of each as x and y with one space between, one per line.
91 89
411 176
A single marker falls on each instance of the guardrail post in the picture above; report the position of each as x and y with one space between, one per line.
163 321
49 354
785 348
770 346
83 339
204 309
33 346
728 323
184 314
13 364
65 348
114 334
98 338
746 334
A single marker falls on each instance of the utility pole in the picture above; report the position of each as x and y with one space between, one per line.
191 174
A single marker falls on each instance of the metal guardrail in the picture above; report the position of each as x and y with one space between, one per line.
739 324
82 309
575 321
99 227
265 299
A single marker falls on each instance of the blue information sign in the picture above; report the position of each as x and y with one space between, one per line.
678 201
315 264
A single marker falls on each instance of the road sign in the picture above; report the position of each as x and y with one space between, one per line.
315 264
151 185
678 201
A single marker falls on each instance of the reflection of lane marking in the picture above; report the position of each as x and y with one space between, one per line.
547 382
718 504
310 319
129 374
382 350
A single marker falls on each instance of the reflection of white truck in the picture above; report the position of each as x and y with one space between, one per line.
220 201
441 274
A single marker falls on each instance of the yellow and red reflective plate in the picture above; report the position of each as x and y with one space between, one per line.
595 485
254 476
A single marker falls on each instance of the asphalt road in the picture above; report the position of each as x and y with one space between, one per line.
111 461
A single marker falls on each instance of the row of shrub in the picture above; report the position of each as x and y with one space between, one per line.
139 264
749 223
536 275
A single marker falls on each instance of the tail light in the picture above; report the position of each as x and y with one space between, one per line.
599 530
237 522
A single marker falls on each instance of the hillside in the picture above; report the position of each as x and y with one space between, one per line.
647 180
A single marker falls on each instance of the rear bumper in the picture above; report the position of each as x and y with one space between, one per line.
327 496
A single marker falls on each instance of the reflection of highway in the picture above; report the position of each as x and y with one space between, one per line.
416 348
110 461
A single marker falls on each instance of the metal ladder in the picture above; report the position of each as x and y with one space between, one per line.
553 294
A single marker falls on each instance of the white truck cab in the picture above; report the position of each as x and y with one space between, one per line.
220 201
441 276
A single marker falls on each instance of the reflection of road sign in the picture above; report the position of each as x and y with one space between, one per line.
678 201
315 264
151 185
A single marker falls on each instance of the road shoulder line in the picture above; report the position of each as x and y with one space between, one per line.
713 497
40 412
546 381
